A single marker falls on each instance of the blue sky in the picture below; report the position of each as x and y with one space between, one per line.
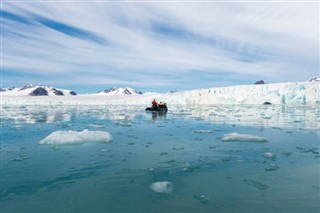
91 46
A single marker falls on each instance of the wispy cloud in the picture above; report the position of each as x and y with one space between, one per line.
159 46
70 30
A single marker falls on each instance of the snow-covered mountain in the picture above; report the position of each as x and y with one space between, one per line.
119 91
315 79
293 93
35 90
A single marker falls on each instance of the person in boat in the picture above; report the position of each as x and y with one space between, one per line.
162 105
154 103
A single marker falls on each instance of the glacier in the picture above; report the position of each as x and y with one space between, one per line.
293 93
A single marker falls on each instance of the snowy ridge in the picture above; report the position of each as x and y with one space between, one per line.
315 79
35 90
119 91
297 93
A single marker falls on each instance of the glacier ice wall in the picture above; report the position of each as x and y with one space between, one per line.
297 93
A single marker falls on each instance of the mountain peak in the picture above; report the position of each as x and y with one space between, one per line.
36 90
315 79
120 91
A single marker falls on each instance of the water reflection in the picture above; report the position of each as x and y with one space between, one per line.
306 117
158 115
37 114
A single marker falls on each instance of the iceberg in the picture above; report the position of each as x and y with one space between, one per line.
236 137
74 137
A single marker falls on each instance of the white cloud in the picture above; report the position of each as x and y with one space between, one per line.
269 40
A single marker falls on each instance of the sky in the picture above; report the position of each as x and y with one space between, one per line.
88 46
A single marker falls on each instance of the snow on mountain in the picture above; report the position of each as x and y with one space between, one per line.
295 93
315 79
35 90
119 91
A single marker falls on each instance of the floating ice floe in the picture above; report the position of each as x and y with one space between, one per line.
162 187
269 155
243 138
73 137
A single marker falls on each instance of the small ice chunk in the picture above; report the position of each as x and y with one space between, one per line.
286 154
203 131
162 187
18 127
21 158
233 137
201 198
151 169
269 155
95 126
56 148
190 168
73 137
256 184
177 149
271 167
313 150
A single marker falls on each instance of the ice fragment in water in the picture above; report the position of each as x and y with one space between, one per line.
271 167
21 158
190 168
308 150
177 149
73 137
256 184
162 187
286 154
203 131
269 155
234 137
201 198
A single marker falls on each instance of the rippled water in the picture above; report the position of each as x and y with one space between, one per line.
183 149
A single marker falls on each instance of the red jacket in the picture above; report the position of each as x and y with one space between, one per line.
154 102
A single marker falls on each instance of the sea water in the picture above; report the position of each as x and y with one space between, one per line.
173 162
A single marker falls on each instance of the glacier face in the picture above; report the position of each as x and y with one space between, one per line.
296 93
280 93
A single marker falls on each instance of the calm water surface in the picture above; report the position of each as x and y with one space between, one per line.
183 147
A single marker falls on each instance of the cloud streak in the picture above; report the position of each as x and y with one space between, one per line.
70 30
159 46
